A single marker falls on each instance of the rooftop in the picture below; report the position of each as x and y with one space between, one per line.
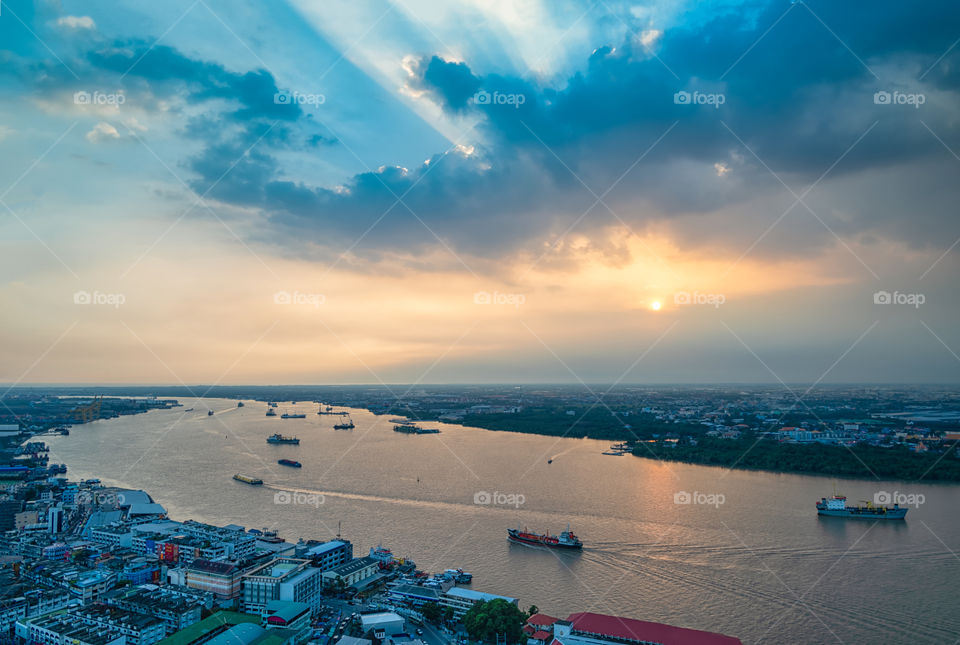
641 631
476 596
208 625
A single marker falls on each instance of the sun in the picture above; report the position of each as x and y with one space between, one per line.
655 305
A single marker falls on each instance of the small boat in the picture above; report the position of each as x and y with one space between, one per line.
344 426
253 481
614 453
279 438
189 410
209 413
549 461
287 415
239 404
289 462
271 412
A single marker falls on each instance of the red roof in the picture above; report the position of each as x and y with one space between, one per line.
542 635
527 629
541 619
641 630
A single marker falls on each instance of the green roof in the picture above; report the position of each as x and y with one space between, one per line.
207 625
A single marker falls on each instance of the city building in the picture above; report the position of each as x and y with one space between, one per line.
600 629
173 610
461 599
138 629
351 574
222 579
290 579
382 624
64 630
281 614
326 555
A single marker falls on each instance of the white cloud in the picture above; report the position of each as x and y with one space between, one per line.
77 22
721 169
133 124
101 132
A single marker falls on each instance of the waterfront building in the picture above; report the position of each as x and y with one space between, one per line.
355 573
461 599
326 555
413 595
290 579
600 629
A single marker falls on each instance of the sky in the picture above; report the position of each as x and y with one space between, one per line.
469 191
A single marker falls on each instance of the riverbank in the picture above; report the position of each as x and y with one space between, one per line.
861 462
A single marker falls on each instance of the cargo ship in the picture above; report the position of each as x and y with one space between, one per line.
289 462
253 481
566 540
287 415
344 426
836 506
279 438
411 428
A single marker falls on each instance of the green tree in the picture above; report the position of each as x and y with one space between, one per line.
431 612
487 620
448 614
531 610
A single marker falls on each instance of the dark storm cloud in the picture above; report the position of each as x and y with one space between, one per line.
798 99
797 95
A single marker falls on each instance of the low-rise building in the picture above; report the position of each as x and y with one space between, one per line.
351 574
139 629
173 610
281 614
382 624
600 629
461 600
64 630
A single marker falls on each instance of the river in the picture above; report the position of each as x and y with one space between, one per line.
748 556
